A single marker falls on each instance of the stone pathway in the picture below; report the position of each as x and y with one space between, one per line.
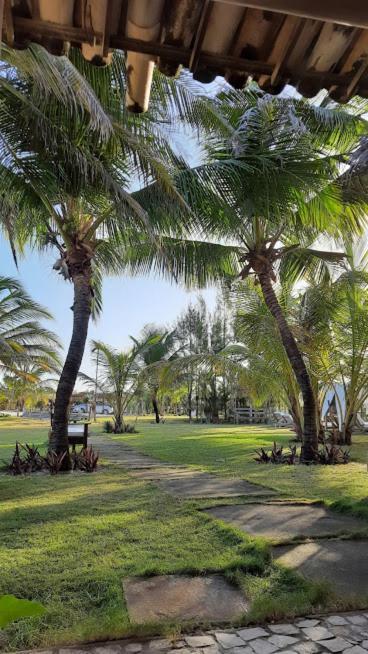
180 481
283 522
343 563
346 633
207 598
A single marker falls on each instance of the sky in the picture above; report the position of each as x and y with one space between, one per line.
128 303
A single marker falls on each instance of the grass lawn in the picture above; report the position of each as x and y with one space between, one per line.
68 541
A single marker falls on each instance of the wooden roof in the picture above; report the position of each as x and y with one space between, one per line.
311 44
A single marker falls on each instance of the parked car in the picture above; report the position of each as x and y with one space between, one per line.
104 409
101 409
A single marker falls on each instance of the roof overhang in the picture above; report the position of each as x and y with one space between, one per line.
311 44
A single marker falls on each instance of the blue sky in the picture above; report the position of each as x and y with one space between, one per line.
129 303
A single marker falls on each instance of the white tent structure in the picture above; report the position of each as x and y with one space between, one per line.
334 404
334 401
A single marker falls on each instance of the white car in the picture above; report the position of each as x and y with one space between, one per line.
102 409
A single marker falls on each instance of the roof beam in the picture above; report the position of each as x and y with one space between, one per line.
352 13
182 55
31 27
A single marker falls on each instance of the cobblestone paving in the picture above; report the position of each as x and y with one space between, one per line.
346 633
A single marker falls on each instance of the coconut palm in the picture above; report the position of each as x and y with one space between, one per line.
269 189
70 155
258 343
156 346
25 345
28 386
120 374
339 314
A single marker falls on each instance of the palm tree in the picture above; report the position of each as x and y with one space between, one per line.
69 157
120 374
339 313
156 346
269 189
25 345
28 386
258 343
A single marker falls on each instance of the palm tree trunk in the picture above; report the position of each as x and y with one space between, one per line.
81 315
155 406
310 434
295 414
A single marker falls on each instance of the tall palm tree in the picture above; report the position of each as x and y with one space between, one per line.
70 156
269 190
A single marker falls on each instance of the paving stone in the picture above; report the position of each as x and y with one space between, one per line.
133 648
184 650
357 619
107 649
307 647
335 644
355 650
343 563
262 646
252 632
290 520
178 644
284 629
205 484
286 651
336 620
282 641
229 640
199 641
344 631
307 623
72 650
356 634
237 650
183 597
317 633
160 644
214 649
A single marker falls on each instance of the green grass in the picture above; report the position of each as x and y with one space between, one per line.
69 541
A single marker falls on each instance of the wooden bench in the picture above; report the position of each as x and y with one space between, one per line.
248 415
78 435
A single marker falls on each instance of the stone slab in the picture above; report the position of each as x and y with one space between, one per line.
159 473
286 521
229 640
317 633
207 485
343 563
285 629
200 641
251 633
183 597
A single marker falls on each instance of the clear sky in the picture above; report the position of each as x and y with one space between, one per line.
128 303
